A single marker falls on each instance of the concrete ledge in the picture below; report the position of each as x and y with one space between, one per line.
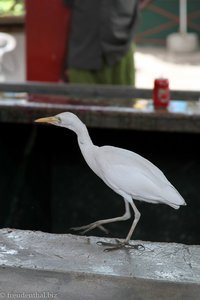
65 266
183 118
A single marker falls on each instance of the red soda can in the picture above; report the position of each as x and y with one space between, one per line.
161 94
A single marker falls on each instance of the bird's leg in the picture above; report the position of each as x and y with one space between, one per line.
100 223
125 243
135 221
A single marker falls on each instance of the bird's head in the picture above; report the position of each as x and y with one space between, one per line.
65 119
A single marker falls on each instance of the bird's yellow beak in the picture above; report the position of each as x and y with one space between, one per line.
50 120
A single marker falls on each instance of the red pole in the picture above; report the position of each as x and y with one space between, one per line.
47 30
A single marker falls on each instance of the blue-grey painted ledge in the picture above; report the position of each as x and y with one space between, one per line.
134 114
63 266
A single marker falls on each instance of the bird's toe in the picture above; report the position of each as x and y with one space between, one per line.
86 228
120 245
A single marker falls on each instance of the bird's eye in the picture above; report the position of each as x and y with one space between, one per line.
58 119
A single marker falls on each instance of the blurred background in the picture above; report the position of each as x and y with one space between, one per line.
152 57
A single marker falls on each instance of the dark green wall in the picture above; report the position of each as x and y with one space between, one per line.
161 18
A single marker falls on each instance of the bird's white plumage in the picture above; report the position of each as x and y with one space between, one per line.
127 173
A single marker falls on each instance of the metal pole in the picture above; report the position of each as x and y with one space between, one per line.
90 91
183 16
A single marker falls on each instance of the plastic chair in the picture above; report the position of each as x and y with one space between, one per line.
7 44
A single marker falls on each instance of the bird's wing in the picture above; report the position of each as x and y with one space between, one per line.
109 156
134 182
131 173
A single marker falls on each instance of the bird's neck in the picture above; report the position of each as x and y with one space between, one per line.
87 147
84 139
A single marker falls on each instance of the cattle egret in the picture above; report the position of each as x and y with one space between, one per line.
127 173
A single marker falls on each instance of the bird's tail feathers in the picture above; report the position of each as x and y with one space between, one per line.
173 198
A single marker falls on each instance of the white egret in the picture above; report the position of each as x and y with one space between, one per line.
127 173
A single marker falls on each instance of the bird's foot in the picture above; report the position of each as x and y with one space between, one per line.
120 245
86 228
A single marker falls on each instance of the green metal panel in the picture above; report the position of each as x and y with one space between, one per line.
162 18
